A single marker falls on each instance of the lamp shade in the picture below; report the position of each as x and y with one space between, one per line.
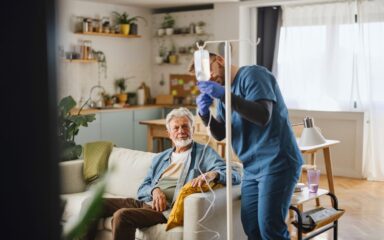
310 135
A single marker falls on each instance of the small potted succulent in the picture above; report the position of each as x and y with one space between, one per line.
168 24
128 25
123 20
122 86
199 28
162 52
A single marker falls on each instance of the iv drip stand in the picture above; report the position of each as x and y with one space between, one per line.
228 128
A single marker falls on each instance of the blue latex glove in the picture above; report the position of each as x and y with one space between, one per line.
211 88
203 102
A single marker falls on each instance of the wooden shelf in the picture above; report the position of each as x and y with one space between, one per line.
172 64
182 35
108 34
80 60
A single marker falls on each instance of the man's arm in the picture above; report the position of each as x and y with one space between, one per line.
205 177
214 163
144 192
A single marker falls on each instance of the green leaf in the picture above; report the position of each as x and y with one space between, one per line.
66 104
70 151
69 127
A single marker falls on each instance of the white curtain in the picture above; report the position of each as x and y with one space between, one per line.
328 61
371 83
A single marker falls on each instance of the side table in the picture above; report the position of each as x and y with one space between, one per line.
330 222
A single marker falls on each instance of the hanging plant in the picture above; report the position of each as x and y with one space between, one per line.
102 63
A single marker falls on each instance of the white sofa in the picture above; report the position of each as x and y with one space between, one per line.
130 168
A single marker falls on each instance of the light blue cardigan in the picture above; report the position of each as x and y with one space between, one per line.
210 162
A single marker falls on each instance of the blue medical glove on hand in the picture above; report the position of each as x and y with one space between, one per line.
203 102
211 88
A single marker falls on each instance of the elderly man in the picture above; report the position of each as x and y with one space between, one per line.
169 172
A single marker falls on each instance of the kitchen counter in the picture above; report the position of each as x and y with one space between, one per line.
135 107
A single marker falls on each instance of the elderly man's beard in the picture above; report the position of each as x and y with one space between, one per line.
182 142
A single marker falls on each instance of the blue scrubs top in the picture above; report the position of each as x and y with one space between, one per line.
263 150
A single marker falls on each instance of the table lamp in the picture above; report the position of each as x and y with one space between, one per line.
311 134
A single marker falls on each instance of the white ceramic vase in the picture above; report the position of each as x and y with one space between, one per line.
169 31
160 32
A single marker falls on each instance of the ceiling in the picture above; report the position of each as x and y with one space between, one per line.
162 3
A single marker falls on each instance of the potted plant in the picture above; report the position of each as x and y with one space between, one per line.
162 52
122 19
109 100
68 128
168 23
133 24
199 28
121 85
101 61
173 55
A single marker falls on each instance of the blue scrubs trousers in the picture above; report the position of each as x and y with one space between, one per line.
265 202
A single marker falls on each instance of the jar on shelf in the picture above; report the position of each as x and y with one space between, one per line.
87 25
86 49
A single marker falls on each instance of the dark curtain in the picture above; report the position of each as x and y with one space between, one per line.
267 29
29 178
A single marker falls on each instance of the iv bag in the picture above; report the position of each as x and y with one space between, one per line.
201 60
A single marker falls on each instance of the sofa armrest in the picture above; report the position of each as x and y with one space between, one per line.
71 176
195 206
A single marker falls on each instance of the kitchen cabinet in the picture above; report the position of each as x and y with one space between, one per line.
117 127
122 128
140 131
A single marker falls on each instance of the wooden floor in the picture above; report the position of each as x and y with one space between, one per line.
364 204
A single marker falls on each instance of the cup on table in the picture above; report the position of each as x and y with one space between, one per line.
313 176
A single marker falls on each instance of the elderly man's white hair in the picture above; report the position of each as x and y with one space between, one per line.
179 112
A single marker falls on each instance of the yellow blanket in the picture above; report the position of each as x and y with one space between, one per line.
176 217
96 156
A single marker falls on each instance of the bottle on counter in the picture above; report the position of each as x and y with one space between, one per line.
143 94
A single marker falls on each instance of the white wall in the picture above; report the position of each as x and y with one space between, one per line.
348 128
182 19
125 57
226 21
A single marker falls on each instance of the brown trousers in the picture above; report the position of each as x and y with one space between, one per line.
128 214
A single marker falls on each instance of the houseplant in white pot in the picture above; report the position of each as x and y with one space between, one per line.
199 28
168 23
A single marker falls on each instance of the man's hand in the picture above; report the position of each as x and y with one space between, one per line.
159 202
204 178
211 88
203 101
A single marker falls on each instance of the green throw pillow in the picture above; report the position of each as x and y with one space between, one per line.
96 156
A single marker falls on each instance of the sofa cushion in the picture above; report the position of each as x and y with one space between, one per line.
154 232
128 169
73 204
96 159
